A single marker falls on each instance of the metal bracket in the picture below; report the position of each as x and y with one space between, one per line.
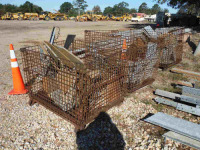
191 91
166 102
179 97
189 99
177 125
167 94
182 139
179 106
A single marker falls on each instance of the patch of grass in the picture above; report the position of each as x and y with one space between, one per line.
196 67
185 65
196 58
172 89
176 77
156 106
117 116
147 102
133 117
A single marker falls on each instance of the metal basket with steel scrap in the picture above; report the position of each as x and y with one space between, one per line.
142 55
77 92
170 43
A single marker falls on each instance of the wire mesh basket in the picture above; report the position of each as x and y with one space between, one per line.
75 92
141 55
170 43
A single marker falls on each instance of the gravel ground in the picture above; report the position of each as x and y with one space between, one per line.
36 128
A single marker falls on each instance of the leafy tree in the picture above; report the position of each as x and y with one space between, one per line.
143 8
187 10
66 7
121 8
10 8
2 9
155 9
108 10
133 10
73 12
81 5
37 9
26 7
183 3
30 7
148 11
166 10
97 9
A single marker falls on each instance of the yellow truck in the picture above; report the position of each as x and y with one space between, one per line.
125 17
53 16
7 16
20 16
102 17
31 16
88 16
17 16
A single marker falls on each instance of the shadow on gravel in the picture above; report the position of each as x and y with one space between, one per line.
101 134
141 25
191 44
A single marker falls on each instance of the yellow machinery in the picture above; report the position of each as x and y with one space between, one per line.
17 16
88 16
20 16
53 16
44 16
118 18
31 16
7 16
125 17
34 16
111 17
102 17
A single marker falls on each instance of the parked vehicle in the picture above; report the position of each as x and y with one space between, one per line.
88 16
164 20
137 18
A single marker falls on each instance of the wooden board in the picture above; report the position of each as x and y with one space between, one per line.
71 57
187 72
64 55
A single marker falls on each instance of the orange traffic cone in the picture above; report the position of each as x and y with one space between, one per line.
124 49
18 83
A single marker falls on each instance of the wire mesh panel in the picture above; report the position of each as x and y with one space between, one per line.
72 91
141 55
171 46
77 47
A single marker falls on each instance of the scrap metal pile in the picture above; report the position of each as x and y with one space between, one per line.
93 74
170 45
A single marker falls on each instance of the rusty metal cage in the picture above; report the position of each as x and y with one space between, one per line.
170 43
72 91
77 47
141 56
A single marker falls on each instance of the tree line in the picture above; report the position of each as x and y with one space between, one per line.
26 7
117 10
79 6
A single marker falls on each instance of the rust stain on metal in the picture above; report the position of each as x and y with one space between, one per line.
78 94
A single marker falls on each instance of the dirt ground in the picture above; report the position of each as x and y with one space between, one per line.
21 33
36 128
